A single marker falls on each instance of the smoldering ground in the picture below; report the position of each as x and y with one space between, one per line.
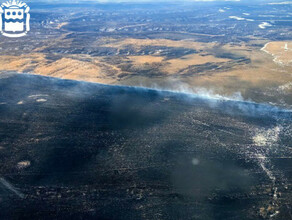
131 153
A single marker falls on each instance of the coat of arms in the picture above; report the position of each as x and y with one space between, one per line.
14 19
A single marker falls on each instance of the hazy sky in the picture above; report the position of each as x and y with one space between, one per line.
173 1
114 1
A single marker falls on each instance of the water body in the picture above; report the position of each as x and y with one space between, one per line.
113 152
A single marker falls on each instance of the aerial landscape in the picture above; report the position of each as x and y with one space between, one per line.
148 110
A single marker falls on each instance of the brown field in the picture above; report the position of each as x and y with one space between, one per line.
65 68
261 72
281 51
176 65
142 60
156 42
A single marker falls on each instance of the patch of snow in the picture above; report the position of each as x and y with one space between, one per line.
280 3
41 100
285 87
36 96
267 137
264 25
237 18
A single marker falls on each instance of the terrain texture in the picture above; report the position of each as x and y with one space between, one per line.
79 150
230 49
